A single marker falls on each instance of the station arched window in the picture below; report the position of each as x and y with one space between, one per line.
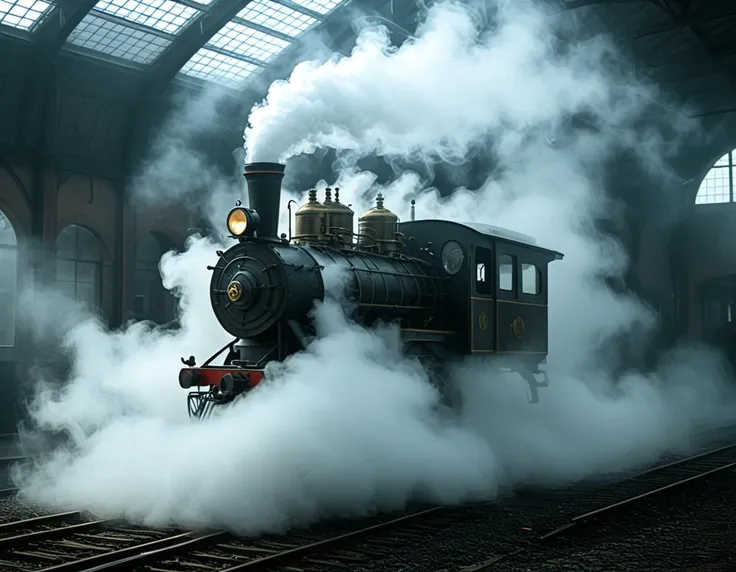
717 187
79 265
8 281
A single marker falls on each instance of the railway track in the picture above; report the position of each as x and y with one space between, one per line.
614 499
65 542
71 542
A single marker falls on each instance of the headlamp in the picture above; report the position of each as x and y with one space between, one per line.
238 221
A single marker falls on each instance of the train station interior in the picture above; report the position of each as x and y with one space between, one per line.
87 87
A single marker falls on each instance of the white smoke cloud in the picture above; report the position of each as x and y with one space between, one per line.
348 426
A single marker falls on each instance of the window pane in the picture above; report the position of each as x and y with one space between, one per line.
66 289
87 272
530 281
86 293
715 188
65 270
78 264
87 246
483 270
65 243
22 14
480 272
9 265
506 272
7 234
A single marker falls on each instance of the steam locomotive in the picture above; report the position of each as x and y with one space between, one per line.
455 289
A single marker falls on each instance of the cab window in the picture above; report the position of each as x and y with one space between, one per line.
483 274
506 272
531 279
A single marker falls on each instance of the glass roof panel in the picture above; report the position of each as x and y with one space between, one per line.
723 161
248 42
117 40
22 14
208 64
276 17
163 15
319 6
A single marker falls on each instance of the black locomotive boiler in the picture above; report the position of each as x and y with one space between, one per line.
455 289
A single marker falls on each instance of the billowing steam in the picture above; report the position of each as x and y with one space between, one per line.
348 426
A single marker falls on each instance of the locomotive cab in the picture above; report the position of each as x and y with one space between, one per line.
497 290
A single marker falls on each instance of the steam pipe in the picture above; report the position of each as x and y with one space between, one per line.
264 194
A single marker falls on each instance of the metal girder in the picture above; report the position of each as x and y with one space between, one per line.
575 4
48 38
51 34
680 25
194 37
190 41
37 93
714 113
682 14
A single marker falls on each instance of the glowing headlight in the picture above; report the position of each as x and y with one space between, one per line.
237 222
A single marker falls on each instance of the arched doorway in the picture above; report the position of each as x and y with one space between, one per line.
8 281
79 265
151 301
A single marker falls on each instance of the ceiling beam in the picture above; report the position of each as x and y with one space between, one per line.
48 38
194 37
575 4
38 96
683 15
680 25
54 30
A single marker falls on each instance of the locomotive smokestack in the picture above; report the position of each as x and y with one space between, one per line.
264 194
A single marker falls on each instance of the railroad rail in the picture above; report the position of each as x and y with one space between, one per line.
74 542
614 498
65 542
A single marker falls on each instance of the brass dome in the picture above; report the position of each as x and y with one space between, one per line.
310 219
378 228
379 212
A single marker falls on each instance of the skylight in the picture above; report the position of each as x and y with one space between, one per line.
276 17
319 6
250 44
22 14
163 15
208 63
134 30
259 33
118 40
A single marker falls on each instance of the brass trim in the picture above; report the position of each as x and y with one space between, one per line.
483 298
518 328
234 291
428 331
